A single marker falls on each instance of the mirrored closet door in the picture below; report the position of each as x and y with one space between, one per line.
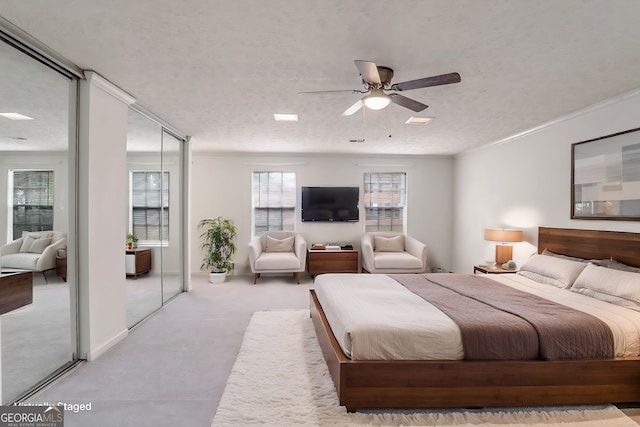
153 263
37 184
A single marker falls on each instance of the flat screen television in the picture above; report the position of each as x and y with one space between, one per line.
332 204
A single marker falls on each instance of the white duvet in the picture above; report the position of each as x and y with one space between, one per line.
375 318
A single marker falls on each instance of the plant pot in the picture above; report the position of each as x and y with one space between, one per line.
218 277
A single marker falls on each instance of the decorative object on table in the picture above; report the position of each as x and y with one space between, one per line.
218 247
605 182
504 251
132 241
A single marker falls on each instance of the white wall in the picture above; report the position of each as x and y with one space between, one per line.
102 215
221 185
525 181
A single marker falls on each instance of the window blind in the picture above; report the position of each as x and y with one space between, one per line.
274 201
385 199
150 205
32 201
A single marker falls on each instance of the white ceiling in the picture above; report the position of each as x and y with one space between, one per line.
218 70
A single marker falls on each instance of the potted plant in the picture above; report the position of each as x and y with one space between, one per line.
132 241
218 247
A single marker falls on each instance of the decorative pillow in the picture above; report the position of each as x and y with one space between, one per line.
280 245
34 246
616 265
27 242
37 234
552 270
610 285
570 258
388 244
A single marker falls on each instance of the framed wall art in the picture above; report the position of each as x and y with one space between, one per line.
605 177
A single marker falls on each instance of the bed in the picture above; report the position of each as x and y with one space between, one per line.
478 383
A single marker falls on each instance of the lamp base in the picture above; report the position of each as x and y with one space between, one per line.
504 254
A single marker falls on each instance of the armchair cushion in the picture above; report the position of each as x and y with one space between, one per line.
396 260
21 261
277 261
280 245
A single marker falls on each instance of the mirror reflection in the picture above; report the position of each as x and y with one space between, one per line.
37 296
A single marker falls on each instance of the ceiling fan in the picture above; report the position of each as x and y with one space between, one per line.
376 79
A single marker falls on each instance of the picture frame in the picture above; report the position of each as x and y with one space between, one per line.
605 177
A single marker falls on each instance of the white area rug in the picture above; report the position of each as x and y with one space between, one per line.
281 379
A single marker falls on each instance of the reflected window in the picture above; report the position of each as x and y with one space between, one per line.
150 206
32 201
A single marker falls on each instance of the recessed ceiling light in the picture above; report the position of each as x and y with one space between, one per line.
280 117
418 120
15 116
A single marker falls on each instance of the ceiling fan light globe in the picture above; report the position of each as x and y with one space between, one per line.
376 102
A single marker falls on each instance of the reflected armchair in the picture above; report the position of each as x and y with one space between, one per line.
35 251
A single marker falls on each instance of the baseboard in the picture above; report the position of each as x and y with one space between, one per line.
94 354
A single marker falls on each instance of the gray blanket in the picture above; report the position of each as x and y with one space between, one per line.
498 322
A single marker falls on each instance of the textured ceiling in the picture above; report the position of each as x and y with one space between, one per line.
218 70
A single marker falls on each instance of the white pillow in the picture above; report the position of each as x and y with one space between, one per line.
552 270
610 285
34 246
40 245
388 244
280 245
27 242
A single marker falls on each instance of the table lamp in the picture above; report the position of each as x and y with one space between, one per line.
504 253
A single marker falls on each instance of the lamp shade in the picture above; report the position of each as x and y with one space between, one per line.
377 100
502 235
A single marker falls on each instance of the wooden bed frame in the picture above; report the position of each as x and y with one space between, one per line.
430 384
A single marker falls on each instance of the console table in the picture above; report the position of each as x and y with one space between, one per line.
328 261
138 261
16 290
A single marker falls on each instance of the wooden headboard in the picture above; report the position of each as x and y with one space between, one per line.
591 244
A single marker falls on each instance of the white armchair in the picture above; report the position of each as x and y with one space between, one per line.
34 251
278 252
388 252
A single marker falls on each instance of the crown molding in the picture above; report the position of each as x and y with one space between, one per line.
97 80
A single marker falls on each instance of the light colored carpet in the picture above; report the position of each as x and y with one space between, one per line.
280 379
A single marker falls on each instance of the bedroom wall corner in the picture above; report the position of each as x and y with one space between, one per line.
524 181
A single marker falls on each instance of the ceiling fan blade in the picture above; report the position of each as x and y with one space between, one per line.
368 71
332 91
355 107
443 79
407 102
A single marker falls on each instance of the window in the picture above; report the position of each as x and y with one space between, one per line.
150 206
32 201
385 198
274 201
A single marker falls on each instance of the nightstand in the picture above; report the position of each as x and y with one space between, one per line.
491 270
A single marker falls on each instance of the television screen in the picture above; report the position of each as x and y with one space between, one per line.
330 204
